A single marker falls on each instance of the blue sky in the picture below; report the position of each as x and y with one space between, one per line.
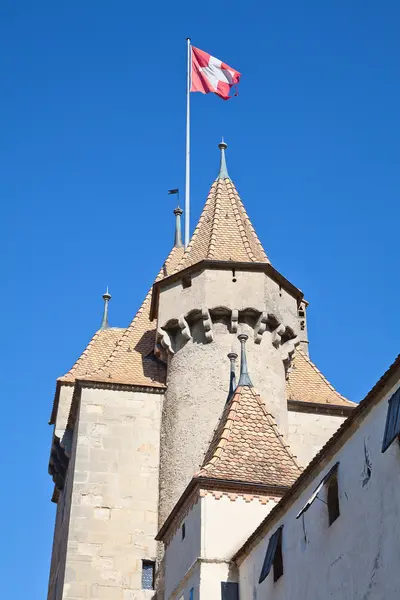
92 137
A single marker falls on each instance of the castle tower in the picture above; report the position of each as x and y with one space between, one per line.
134 416
224 284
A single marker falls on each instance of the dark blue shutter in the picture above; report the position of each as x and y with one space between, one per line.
270 554
229 590
392 428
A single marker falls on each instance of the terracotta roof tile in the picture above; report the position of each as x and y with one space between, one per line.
247 445
95 354
307 384
132 361
224 230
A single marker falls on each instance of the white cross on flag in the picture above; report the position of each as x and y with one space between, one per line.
212 75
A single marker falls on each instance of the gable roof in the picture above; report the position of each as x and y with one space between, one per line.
247 445
224 230
306 383
132 361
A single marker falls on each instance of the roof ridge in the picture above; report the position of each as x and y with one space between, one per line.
217 210
272 421
246 218
223 440
198 226
310 362
241 228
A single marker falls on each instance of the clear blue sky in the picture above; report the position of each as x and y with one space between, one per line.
92 136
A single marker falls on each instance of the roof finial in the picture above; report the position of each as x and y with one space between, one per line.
244 374
104 321
232 383
178 230
223 171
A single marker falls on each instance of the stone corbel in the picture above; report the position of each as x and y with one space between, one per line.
166 341
234 320
185 331
207 323
260 327
277 335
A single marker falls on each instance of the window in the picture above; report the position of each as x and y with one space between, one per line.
332 473
186 281
183 530
148 570
229 590
273 556
191 594
392 427
333 499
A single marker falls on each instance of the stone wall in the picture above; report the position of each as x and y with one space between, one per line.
113 519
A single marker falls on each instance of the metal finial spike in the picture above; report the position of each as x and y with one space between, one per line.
104 321
244 378
178 229
223 171
232 381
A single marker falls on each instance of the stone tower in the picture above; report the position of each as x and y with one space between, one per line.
134 416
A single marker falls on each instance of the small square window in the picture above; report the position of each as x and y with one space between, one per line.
148 571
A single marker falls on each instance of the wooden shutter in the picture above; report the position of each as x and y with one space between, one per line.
270 554
392 427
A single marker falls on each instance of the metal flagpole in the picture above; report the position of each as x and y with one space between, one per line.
187 185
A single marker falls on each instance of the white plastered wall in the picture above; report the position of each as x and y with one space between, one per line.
215 529
357 556
309 432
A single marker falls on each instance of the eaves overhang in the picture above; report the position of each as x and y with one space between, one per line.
223 265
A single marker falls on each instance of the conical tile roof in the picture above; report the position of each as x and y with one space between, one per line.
224 231
247 445
132 361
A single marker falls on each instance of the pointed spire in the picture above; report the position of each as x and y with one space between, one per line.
232 384
244 378
178 230
104 321
223 171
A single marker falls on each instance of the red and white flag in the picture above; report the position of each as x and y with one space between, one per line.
212 75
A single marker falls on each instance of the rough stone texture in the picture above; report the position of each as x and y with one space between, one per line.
64 406
308 432
355 558
113 517
198 371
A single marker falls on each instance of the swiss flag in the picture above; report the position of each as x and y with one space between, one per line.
212 75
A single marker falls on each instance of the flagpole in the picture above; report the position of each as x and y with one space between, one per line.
187 184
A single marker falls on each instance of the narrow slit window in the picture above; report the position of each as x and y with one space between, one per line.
183 530
392 427
148 572
191 594
273 557
333 499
